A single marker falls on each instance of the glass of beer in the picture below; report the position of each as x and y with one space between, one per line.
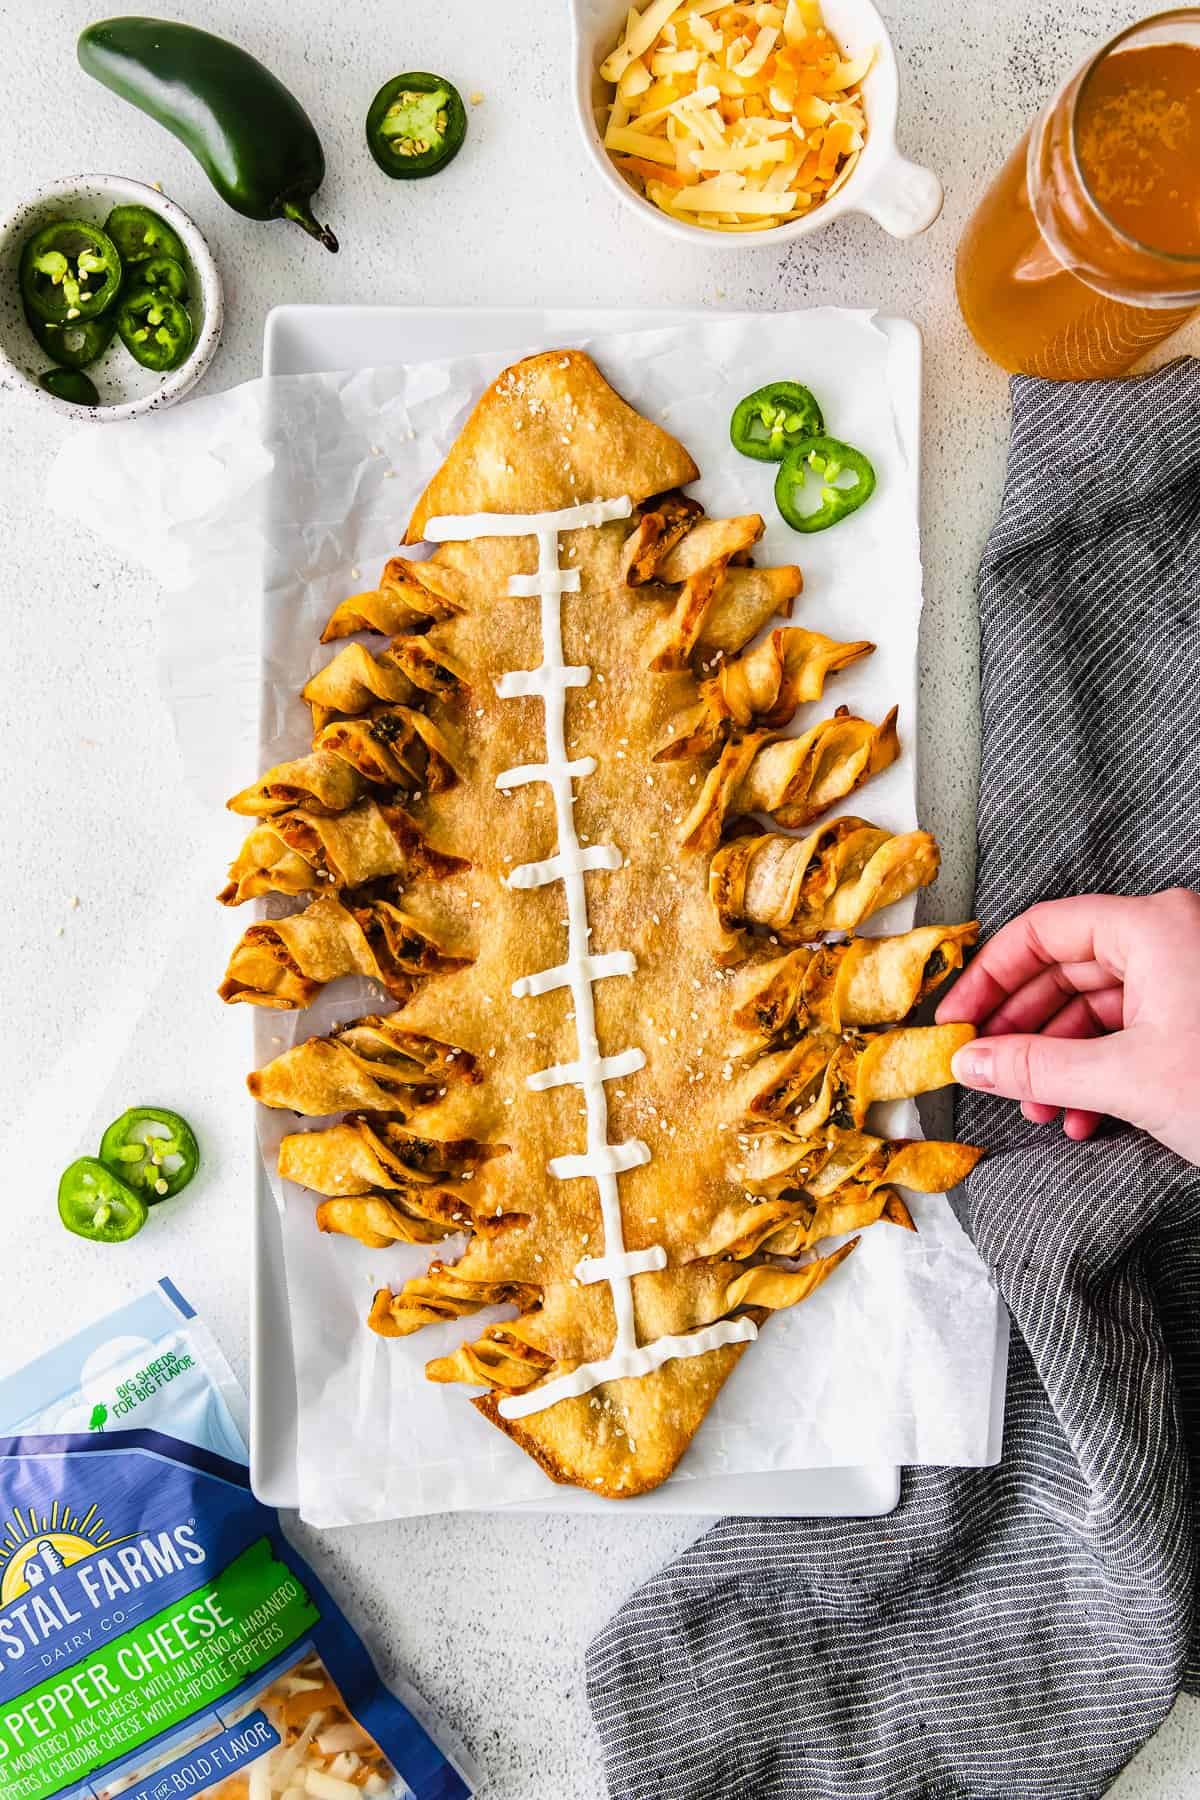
1085 250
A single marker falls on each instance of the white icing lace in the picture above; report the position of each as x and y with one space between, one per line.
602 1162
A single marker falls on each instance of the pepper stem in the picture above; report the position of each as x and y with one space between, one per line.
302 213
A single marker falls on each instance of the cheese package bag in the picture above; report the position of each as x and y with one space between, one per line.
159 1636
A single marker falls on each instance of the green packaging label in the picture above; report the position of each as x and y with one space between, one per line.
163 1670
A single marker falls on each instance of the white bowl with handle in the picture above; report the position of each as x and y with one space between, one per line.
898 194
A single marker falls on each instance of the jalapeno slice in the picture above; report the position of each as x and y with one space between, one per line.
69 270
154 328
70 384
416 125
77 343
94 1203
151 1150
165 273
139 233
773 418
825 462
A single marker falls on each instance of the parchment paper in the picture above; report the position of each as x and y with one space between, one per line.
261 508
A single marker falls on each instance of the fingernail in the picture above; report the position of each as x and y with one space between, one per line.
974 1066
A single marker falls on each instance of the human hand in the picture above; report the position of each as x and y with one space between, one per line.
1091 1005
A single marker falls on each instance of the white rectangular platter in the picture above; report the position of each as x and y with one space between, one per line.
309 339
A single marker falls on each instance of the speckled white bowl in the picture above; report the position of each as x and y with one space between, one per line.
126 389
900 195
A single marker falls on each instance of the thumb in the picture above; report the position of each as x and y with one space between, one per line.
1094 1074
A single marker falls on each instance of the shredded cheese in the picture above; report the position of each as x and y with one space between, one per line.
734 114
634 81
639 143
754 59
714 195
640 34
740 160
675 62
328 1787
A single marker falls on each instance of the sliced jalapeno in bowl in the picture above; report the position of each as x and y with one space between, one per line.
165 273
773 418
139 234
69 270
77 342
823 462
154 328
70 384
94 1203
165 253
152 1150
416 125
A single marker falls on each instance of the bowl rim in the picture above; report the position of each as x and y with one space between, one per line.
881 90
179 381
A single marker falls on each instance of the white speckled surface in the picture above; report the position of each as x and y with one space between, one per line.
87 746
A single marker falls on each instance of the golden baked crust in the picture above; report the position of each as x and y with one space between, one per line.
550 433
667 702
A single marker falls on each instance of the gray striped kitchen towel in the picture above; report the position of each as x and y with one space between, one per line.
1011 1633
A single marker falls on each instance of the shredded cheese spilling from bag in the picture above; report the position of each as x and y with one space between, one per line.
734 117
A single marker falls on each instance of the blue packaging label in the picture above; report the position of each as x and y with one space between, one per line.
159 1636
